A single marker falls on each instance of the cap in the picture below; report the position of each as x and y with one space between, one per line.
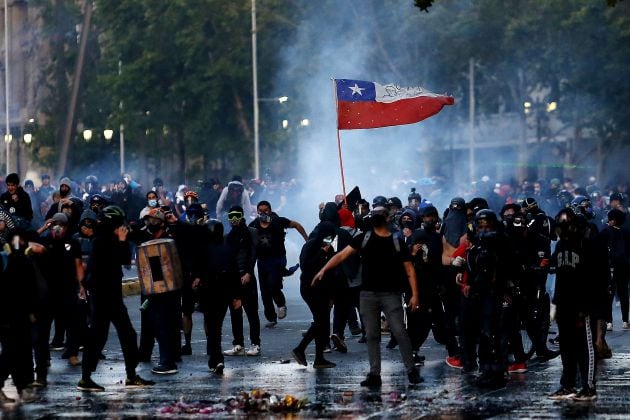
60 218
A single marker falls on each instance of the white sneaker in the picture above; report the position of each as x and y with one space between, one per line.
282 312
4 399
254 350
236 351
609 326
626 326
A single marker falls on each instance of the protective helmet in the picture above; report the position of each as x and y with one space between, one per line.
379 201
97 200
581 204
564 198
394 201
191 194
91 179
114 214
529 204
487 215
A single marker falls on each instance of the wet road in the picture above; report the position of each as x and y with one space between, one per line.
330 392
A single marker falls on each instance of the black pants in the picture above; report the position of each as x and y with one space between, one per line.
108 309
164 310
318 301
576 348
342 301
215 308
16 358
431 316
620 274
270 277
249 301
147 331
40 337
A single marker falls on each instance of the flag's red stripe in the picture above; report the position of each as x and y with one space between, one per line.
353 115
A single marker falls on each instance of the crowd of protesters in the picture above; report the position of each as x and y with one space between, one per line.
486 271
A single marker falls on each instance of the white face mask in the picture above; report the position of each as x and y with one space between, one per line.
152 203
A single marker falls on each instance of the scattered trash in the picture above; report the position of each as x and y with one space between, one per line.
255 401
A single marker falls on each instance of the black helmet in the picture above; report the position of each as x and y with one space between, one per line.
414 196
215 227
114 214
394 201
91 179
564 198
529 204
488 215
97 199
379 201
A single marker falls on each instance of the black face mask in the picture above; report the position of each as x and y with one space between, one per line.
429 225
407 224
154 228
378 220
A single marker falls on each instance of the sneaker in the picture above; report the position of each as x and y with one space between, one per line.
340 345
271 324
414 377
392 343
218 369
517 368
323 364
186 350
282 312
609 326
39 383
327 349
626 325
4 399
372 380
235 351
89 385
164 370
355 330
362 340
585 394
548 355
56 346
454 362
138 382
563 394
299 357
74 361
254 350
470 368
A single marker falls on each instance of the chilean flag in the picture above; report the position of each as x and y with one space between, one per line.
362 104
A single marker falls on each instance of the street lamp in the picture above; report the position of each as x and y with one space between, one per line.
108 134
28 138
87 135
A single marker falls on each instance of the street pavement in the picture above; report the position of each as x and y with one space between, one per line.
194 392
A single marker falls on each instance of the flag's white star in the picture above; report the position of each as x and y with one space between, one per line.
356 89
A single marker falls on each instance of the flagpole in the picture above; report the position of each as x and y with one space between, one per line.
343 180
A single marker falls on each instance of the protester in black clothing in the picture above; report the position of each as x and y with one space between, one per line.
219 287
18 284
386 269
487 269
572 260
17 201
65 272
244 240
315 253
617 241
110 250
272 259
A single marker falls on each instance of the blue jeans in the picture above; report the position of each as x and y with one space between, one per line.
390 303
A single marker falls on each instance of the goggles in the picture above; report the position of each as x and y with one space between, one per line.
235 216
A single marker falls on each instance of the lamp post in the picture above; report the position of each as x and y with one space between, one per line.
255 89
109 134
7 133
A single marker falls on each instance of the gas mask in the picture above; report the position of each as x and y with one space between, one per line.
264 217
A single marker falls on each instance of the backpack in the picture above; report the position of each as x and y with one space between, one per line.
368 235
